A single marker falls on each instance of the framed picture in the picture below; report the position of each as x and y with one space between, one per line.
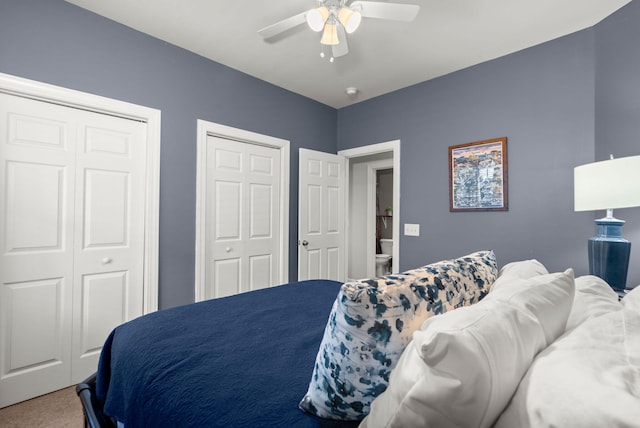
478 176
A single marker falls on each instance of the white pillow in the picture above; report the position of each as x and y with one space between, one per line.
593 297
518 270
542 301
462 367
632 299
590 377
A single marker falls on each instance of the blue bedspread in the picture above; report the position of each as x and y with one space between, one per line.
239 361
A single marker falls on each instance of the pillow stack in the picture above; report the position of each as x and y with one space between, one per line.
594 297
372 322
591 375
462 367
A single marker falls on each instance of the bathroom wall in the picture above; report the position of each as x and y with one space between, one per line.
385 199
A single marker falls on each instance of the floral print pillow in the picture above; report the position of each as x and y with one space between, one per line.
371 323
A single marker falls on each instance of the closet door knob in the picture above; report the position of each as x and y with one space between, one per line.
228 249
107 260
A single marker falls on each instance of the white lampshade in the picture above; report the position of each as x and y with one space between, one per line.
317 17
608 184
330 35
350 19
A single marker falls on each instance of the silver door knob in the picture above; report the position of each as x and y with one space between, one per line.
305 243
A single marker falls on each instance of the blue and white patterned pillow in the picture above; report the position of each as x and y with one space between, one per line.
371 323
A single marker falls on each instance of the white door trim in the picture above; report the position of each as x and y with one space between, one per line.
68 97
389 146
214 129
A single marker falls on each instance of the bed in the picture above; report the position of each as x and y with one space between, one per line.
465 345
242 360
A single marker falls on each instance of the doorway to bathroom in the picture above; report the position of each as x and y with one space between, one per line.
384 220
373 210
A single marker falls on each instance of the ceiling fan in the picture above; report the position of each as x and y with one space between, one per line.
337 18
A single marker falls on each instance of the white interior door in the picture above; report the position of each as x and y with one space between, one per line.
321 216
242 217
109 233
71 235
37 182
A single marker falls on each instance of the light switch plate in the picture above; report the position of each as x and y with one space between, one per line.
411 229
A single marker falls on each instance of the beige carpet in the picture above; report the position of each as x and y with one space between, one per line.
56 410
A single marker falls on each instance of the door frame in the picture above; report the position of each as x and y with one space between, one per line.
389 146
206 129
18 86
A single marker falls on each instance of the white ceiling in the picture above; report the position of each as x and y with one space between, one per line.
384 56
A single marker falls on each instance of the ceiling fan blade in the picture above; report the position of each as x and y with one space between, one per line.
342 48
282 26
393 11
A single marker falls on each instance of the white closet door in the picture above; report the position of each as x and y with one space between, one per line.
243 217
71 237
38 143
109 233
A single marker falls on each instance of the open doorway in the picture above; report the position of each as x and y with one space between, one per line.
384 221
373 209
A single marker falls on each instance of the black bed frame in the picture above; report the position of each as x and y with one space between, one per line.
93 416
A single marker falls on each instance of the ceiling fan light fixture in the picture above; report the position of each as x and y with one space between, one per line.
330 35
316 18
350 19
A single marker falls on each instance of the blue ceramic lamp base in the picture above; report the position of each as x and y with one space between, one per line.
609 253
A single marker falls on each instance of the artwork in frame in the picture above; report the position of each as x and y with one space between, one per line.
478 176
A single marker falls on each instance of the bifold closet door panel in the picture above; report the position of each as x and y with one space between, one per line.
71 183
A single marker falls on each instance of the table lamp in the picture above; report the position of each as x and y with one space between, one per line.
608 185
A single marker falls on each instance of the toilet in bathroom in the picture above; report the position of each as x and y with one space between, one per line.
383 260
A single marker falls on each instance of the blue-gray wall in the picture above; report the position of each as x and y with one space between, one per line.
560 104
542 100
55 42
617 125
563 103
